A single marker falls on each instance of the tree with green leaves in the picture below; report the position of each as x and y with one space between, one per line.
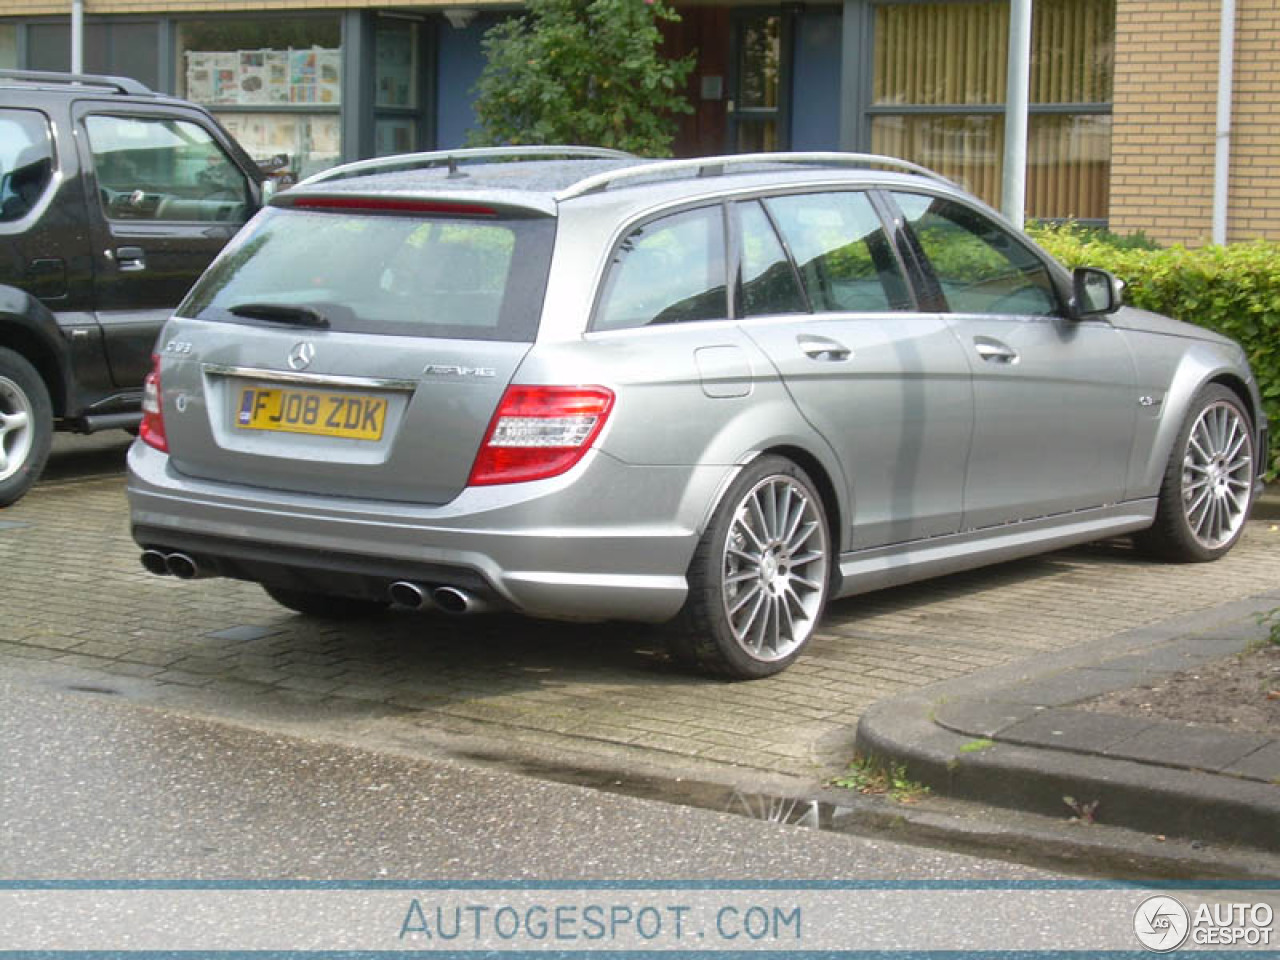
585 72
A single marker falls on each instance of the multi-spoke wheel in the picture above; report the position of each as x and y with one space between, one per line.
1208 485
760 576
26 426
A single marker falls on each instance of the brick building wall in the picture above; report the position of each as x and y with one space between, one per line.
1166 88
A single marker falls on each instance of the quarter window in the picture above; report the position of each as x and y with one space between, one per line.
841 250
668 271
979 267
26 162
152 169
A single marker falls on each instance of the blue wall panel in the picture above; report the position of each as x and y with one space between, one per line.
815 89
460 60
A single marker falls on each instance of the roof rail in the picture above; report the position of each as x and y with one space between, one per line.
452 158
715 166
126 85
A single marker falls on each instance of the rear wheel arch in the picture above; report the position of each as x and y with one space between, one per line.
822 480
17 335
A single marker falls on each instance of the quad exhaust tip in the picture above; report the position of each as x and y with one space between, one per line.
171 564
452 600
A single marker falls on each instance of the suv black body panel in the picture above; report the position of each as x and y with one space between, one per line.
89 271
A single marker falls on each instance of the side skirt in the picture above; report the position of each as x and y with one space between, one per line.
899 563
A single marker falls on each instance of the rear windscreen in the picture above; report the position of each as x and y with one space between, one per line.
467 279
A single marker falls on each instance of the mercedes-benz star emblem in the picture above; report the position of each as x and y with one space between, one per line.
301 355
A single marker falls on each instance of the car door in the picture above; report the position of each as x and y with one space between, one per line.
168 198
1053 398
823 292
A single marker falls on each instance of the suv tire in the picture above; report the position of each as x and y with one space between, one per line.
26 426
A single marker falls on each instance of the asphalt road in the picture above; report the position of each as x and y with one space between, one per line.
101 788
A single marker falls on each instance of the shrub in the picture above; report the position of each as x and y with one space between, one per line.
582 72
1234 290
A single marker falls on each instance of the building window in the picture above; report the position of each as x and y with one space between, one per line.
8 46
276 85
396 86
938 88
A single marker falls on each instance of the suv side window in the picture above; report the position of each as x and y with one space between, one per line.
979 267
841 250
26 162
670 270
164 169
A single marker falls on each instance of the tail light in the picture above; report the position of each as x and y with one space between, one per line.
152 429
540 432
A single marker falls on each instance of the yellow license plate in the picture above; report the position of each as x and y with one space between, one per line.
352 415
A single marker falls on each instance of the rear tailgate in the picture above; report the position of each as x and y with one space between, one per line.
424 320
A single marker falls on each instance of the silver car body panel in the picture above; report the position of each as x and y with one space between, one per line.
915 438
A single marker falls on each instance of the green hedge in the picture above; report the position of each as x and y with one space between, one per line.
1234 290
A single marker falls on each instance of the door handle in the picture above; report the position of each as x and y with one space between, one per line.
993 351
131 259
823 348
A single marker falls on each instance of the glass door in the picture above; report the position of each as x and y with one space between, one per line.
759 82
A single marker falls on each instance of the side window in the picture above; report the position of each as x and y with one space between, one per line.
26 162
980 267
670 270
158 169
768 284
842 252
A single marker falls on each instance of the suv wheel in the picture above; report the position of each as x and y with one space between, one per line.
760 576
26 426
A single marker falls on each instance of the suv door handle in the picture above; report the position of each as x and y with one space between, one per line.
823 348
131 259
993 351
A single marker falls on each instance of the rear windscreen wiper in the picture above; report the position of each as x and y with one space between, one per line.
281 313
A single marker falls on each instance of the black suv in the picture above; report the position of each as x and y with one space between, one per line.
113 200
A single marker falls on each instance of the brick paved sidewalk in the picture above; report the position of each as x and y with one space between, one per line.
75 595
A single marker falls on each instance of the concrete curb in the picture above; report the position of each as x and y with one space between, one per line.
990 740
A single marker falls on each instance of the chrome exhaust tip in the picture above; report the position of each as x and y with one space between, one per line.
458 602
153 561
406 594
183 567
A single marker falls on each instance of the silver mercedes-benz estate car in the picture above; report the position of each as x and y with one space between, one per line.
716 392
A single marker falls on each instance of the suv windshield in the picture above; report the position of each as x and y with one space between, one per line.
411 276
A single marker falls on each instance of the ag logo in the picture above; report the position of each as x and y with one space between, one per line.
301 355
1161 923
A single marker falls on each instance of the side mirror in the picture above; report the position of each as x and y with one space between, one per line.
1094 293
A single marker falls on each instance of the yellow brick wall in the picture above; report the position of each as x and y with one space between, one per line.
1255 141
1163 120
1165 116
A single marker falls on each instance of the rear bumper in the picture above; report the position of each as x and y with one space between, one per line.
605 541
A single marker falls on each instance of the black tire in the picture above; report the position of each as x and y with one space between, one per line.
24 447
323 605
755 598
1207 489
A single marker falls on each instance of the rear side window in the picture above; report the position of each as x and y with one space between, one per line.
376 273
841 250
768 284
979 267
162 169
671 270
26 162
